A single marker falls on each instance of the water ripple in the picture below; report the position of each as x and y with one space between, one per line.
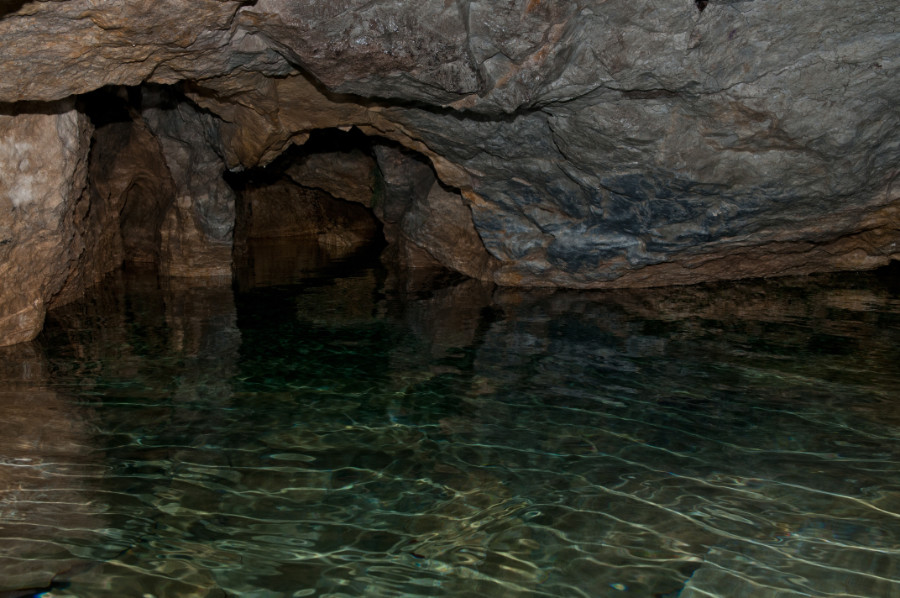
339 437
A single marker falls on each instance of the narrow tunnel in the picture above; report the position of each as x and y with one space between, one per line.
313 206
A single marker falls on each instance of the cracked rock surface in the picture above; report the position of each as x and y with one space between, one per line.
582 144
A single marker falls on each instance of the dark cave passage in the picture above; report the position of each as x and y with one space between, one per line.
129 182
319 192
309 209
160 191
146 152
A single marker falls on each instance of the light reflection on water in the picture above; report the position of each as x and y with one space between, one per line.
368 436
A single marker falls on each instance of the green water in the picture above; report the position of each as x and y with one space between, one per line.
335 431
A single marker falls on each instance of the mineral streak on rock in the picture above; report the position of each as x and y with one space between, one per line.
582 144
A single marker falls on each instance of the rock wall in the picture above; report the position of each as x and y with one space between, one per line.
591 144
43 172
117 217
198 226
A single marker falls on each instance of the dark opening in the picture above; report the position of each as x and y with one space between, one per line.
129 184
342 196
312 207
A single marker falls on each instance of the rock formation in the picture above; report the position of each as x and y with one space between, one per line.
581 144
43 172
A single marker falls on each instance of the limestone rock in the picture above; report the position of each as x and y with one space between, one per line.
52 50
404 177
428 224
441 226
345 175
386 49
132 175
43 168
286 209
119 216
197 229
620 144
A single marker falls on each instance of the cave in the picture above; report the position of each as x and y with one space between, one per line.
313 206
319 193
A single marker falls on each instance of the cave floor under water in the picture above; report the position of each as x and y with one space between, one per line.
334 431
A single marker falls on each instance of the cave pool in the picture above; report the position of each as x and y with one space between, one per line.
332 429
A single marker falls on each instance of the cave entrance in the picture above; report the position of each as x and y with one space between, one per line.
325 203
161 192
309 210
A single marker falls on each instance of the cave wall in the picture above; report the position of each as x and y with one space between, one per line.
198 227
43 173
582 144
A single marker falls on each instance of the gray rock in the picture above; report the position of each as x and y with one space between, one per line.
198 229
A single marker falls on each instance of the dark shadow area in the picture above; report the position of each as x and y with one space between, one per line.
11 6
315 204
111 104
888 277
46 108
346 190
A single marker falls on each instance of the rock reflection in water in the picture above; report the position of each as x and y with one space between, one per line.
379 435
144 352
51 506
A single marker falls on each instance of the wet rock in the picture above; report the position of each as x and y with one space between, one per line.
197 229
404 177
43 171
119 216
142 184
594 144
428 224
346 175
285 209
440 227
311 194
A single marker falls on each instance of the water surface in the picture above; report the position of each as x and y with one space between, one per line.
332 430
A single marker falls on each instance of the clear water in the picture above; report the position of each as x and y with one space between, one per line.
335 431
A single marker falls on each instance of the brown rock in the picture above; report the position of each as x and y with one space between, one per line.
440 226
345 175
119 217
43 168
285 209
593 144
52 50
